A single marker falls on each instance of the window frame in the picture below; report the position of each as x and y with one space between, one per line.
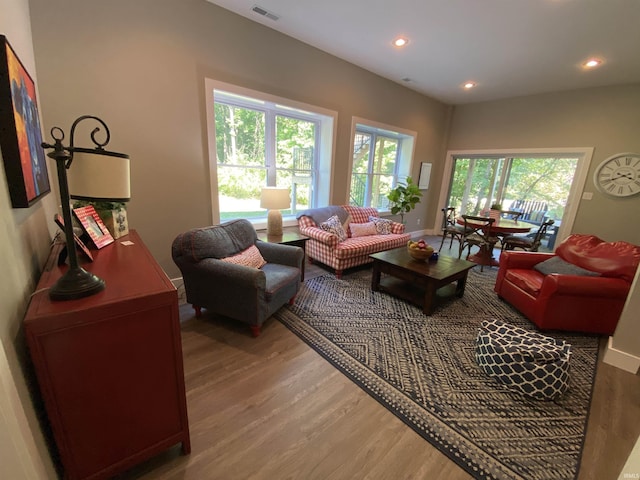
404 156
253 99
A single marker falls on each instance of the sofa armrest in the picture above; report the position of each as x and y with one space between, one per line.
397 227
232 274
281 254
557 284
320 235
522 260
212 280
517 260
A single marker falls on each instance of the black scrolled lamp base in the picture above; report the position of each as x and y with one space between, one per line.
76 282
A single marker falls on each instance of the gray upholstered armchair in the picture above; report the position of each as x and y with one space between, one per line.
241 292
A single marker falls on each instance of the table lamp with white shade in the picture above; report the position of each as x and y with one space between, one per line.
98 174
274 199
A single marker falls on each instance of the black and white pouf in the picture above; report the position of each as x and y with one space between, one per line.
527 362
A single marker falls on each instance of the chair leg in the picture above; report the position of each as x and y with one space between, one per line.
339 274
292 300
198 311
442 242
255 330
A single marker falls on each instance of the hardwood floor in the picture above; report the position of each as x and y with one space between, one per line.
272 408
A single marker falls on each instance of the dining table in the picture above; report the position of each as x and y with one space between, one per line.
502 226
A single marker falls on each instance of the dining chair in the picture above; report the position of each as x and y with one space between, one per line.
477 232
527 243
511 214
450 227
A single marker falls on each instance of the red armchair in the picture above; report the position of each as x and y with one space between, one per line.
573 302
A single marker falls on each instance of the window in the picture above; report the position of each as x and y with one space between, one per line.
260 140
481 181
381 157
555 176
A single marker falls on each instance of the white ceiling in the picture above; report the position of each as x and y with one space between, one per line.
508 47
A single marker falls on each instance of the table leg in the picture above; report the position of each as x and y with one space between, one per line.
484 256
375 277
462 283
429 298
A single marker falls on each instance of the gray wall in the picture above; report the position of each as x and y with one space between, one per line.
141 66
25 235
607 119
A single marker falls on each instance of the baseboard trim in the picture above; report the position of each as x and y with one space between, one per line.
620 359
179 284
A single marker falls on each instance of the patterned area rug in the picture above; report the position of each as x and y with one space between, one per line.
423 370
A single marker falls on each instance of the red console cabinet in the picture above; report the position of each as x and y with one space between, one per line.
109 366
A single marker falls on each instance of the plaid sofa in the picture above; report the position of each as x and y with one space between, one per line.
324 247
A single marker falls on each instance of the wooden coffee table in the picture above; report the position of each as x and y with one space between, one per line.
416 281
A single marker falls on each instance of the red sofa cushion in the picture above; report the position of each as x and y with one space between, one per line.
528 280
611 259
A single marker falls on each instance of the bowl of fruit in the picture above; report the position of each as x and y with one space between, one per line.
420 250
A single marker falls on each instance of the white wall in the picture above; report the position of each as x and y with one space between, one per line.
24 244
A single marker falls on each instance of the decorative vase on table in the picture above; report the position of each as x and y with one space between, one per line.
495 211
115 221
112 214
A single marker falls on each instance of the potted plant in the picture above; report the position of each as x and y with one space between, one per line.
113 214
404 198
495 211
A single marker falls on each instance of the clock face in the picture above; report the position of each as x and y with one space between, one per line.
619 175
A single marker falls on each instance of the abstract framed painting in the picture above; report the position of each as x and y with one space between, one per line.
24 159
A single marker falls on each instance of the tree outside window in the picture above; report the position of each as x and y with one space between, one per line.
262 144
375 167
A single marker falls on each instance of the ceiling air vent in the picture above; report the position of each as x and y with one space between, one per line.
265 13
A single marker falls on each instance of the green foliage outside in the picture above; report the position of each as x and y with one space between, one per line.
378 169
242 158
537 179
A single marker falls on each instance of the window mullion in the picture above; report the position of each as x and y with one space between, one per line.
270 147
368 193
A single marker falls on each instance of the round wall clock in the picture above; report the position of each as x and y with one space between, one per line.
619 175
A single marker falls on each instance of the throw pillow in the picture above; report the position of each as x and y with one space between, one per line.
345 225
250 257
558 265
333 225
363 229
383 225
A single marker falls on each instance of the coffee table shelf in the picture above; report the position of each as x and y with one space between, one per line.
420 283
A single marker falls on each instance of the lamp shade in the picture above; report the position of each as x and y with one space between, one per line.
99 175
275 198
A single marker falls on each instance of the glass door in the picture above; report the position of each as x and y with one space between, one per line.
540 186
477 183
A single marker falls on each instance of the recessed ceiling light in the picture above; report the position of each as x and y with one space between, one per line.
469 85
592 63
400 42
